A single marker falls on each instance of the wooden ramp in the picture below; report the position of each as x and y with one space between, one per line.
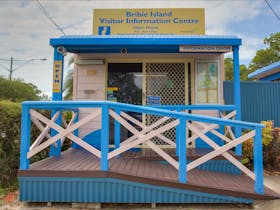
132 167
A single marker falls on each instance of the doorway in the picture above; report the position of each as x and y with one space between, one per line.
124 85
125 82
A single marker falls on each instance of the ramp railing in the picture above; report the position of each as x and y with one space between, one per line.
54 129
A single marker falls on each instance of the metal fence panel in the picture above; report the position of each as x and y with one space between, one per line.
259 100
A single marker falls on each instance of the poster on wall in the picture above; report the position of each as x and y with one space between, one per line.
149 21
207 83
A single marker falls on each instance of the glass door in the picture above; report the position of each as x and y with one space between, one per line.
125 86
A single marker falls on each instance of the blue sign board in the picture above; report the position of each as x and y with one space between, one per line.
153 100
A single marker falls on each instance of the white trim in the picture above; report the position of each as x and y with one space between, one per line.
142 139
64 132
148 128
228 156
45 130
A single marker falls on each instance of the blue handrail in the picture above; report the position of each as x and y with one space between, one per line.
58 105
159 111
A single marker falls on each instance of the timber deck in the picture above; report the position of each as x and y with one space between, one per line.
141 167
192 154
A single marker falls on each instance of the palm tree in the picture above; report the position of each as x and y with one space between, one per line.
68 82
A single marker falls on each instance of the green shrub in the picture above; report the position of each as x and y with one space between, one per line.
10 125
272 151
271 146
17 90
267 132
10 117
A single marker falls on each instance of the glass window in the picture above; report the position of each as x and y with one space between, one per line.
207 82
125 83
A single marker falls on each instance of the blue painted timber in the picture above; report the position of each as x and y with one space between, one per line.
258 165
237 98
57 96
138 43
182 150
72 105
268 73
109 190
106 105
199 143
259 100
222 166
25 137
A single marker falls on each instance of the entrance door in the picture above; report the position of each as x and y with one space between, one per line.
125 83
125 86
167 82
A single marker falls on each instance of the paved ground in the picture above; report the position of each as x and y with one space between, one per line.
273 182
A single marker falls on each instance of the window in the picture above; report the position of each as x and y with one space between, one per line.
207 82
125 83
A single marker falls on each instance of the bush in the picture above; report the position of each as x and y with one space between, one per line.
271 147
272 151
10 125
10 115
17 90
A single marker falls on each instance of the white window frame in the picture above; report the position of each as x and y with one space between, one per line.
219 78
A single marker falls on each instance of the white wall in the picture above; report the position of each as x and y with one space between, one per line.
89 84
90 80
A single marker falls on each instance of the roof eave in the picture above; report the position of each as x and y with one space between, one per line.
144 41
265 71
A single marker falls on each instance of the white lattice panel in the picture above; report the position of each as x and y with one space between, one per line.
166 80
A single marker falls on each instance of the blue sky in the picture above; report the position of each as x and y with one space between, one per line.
25 31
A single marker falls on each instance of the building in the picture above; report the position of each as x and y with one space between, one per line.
267 73
148 125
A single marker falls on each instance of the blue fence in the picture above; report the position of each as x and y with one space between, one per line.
259 100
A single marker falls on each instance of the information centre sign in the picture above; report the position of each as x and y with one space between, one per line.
149 21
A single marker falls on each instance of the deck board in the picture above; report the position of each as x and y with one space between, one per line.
80 163
192 153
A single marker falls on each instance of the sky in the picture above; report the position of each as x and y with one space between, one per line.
25 31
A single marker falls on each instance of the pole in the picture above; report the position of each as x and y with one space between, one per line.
237 96
11 69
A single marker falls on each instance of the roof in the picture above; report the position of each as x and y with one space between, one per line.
138 43
270 72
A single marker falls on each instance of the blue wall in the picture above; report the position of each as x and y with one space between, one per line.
109 190
259 100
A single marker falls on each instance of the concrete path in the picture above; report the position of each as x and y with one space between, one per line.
272 182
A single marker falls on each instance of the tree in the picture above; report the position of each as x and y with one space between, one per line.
18 91
244 71
228 63
263 57
273 41
68 85
229 74
68 82
271 54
